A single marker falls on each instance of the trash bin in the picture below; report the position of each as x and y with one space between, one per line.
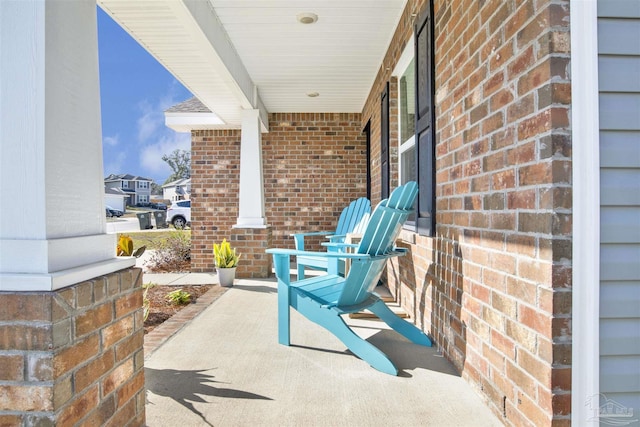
145 220
161 219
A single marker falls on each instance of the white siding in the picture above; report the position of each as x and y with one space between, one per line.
619 86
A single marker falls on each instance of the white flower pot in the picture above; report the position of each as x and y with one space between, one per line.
226 276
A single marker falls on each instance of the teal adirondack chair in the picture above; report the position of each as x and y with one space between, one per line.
323 299
353 219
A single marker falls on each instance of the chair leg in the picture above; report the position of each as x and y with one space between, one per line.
406 329
284 314
331 321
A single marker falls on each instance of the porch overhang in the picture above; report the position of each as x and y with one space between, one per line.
235 56
187 37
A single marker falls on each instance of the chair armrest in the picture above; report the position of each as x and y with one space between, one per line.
312 233
299 237
340 245
343 255
294 252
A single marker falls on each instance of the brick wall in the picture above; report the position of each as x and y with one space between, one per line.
314 164
74 356
215 185
493 285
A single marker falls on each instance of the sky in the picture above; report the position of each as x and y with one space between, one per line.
135 90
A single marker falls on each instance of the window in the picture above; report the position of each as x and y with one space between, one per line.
416 135
143 184
406 121
125 184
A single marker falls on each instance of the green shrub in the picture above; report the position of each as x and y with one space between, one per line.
179 297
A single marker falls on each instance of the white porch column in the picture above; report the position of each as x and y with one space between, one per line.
251 212
52 221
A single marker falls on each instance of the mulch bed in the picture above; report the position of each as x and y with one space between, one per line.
162 309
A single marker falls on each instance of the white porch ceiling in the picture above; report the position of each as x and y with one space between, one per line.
223 50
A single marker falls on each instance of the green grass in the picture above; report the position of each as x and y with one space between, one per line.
152 239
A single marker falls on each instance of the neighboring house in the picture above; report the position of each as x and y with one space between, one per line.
137 188
177 190
519 120
115 198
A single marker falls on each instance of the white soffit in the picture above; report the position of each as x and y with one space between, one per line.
182 40
337 57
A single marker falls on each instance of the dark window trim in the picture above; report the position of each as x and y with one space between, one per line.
385 167
367 133
425 136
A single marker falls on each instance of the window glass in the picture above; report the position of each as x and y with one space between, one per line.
406 121
408 160
407 90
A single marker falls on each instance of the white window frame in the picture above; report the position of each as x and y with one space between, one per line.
401 66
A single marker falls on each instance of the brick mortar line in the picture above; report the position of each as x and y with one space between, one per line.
154 339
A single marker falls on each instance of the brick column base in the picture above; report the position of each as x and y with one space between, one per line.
74 355
251 243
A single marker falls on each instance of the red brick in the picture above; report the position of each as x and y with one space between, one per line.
93 319
11 367
521 379
536 320
532 411
10 420
100 416
123 416
128 303
84 294
117 377
26 398
130 345
524 336
75 355
503 344
117 331
131 388
79 407
94 370
25 307
537 368
26 337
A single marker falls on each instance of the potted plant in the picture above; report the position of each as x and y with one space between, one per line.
226 260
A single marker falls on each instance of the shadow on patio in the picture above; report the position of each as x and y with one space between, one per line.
225 368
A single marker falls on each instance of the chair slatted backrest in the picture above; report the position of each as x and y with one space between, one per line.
353 216
378 239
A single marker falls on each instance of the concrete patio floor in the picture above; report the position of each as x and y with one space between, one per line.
225 368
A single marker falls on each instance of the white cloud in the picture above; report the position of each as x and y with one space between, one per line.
116 165
111 140
150 121
154 138
151 154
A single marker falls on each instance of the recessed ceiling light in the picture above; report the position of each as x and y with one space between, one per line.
313 94
307 18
